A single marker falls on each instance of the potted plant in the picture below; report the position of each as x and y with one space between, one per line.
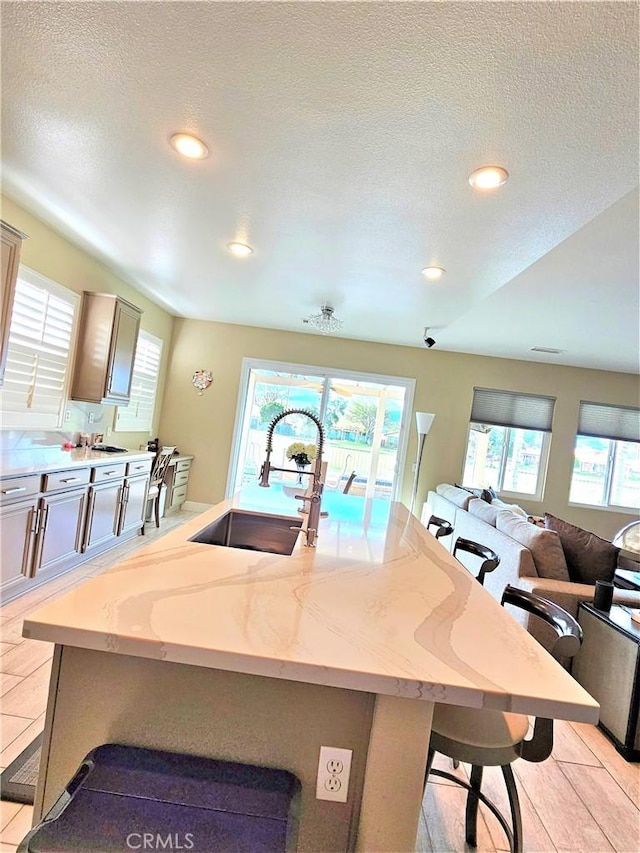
302 455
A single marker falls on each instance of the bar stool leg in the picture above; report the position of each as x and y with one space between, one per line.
471 813
430 757
514 805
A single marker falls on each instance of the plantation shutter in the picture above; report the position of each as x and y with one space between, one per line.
40 337
621 423
512 409
138 415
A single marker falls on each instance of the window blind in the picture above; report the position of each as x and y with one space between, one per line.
512 409
621 423
40 337
138 415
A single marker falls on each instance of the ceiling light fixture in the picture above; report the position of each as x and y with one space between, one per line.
488 177
241 250
433 273
325 322
189 146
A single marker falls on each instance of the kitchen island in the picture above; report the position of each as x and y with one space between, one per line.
263 658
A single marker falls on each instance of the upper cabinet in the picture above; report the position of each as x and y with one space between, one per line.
11 244
106 349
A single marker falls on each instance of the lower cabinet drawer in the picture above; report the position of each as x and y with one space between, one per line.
19 487
66 479
141 467
181 479
178 496
107 472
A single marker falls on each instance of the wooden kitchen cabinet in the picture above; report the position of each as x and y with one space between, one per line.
176 480
11 245
53 521
103 515
106 349
134 504
18 522
60 537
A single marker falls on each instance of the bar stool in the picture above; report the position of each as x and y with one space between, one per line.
491 560
487 738
444 528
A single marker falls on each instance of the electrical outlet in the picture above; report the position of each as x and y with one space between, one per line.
67 416
91 417
334 767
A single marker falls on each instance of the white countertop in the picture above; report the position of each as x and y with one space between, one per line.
378 606
40 460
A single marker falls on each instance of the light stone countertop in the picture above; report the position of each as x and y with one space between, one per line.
378 606
40 460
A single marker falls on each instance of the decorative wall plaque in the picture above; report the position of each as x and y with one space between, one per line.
201 379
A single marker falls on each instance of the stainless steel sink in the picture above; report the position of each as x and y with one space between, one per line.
273 534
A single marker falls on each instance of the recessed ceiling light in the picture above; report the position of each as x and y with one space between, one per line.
433 273
488 177
189 146
240 249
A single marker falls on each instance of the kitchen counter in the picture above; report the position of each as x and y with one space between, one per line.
40 460
378 610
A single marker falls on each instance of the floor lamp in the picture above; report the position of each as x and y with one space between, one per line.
424 422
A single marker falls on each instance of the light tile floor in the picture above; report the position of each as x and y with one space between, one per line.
584 799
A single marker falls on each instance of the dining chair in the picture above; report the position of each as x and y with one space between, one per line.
487 738
444 527
490 560
160 465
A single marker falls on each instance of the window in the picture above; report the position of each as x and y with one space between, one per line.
40 338
138 415
606 462
364 416
508 442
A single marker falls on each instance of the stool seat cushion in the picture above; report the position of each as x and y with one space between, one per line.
477 735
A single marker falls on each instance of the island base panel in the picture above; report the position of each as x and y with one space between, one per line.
100 697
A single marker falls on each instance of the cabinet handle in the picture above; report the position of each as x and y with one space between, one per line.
89 521
45 519
14 490
109 473
70 480
35 520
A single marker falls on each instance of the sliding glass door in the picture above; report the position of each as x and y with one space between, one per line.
364 418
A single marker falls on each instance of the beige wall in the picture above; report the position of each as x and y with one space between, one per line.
50 254
444 385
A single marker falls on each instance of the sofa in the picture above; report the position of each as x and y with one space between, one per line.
532 557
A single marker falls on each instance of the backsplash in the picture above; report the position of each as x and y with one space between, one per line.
78 418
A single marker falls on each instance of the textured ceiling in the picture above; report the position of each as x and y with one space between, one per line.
341 137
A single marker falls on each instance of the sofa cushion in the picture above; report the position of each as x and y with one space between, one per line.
545 546
483 510
459 497
589 558
512 507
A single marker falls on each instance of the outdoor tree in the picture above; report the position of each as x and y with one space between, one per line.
335 410
364 416
271 405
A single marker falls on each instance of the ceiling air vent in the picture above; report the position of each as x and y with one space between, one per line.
547 349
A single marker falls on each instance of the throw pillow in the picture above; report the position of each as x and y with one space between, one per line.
483 510
545 546
589 558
